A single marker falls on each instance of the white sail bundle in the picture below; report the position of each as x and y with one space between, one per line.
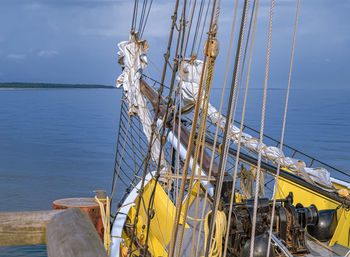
133 59
189 78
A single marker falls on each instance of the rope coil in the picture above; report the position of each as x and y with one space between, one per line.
220 231
105 216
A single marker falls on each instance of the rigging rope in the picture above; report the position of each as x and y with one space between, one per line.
217 127
144 26
205 21
189 27
177 59
134 15
211 43
156 112
200 12
261 131
202 127
255 6
199 142
226 137
283 127
142 14
116 172
188 155
179 117
243 62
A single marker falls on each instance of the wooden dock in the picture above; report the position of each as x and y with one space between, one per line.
66 233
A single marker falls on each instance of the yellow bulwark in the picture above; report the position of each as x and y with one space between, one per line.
160 225
304 195
342 233
307 197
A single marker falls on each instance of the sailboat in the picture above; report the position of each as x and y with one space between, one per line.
198 182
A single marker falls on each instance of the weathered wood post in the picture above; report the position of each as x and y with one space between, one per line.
72 234
89 205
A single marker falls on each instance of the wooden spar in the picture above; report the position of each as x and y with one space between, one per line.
24 228
72 234
152 97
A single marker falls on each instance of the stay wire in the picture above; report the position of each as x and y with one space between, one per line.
202 33
188 154
144 26
283 128
244 59
179 110
134 15
261 132
143 10
226 137
203 121
255 6
199 17
179 46
115 171
156 112
199 144
189 26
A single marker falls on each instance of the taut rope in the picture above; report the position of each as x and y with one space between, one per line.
283 127
261 131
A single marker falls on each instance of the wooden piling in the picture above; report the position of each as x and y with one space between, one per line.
72 234
89 205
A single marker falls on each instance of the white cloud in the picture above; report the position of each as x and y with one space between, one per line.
16 56
47 53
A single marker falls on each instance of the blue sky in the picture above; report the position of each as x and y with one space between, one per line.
74 41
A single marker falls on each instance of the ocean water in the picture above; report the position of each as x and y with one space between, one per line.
58 143
54 143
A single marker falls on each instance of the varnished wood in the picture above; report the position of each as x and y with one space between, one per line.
24 228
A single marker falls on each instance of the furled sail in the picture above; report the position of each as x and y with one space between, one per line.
133 59
189 77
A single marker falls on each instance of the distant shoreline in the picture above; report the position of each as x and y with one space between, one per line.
17 85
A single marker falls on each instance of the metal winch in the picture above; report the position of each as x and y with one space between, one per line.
289 226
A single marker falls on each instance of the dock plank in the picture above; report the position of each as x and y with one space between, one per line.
24 228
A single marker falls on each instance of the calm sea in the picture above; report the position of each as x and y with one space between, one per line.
58 143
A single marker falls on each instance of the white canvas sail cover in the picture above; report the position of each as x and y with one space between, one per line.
189 77
133 59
